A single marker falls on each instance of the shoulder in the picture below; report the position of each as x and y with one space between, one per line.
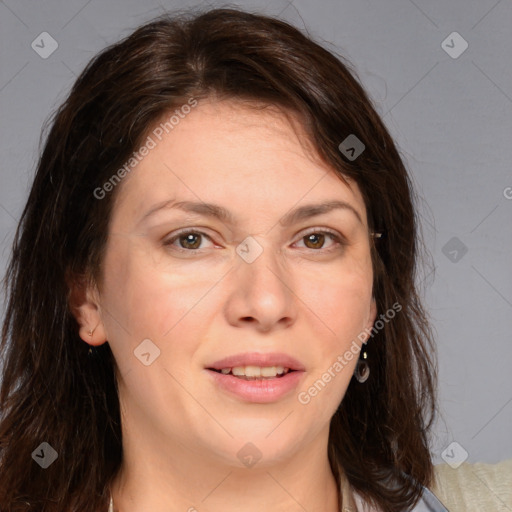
474 487
468 488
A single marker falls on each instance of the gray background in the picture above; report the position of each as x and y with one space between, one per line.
451 118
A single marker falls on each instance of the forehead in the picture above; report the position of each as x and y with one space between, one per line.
233 154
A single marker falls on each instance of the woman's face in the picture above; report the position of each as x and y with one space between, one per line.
184 289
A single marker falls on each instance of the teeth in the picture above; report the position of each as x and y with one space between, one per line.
256 371
252 371
268 371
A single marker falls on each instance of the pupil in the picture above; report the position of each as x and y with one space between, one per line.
189 238
317 236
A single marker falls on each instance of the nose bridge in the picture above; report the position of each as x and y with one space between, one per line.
261 265
261 285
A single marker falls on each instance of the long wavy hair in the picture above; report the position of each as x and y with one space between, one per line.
53 390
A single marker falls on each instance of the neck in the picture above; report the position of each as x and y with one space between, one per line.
153 478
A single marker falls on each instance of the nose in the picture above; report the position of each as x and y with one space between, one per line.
261 294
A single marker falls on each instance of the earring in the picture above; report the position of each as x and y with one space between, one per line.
362 371
91 352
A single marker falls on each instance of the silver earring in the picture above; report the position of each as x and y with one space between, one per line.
362 371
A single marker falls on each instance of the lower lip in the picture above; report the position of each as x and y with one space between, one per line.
260 390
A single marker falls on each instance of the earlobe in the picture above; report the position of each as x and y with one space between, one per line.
84 304
93 335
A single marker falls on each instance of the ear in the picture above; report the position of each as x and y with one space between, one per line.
84 303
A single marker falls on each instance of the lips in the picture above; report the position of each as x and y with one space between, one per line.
257 359
288 374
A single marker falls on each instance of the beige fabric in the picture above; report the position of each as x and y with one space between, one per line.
475 487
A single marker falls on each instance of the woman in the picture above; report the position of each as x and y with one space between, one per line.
211 291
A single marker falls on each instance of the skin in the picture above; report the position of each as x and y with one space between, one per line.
181 433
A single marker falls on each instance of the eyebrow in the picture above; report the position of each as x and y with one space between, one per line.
221 213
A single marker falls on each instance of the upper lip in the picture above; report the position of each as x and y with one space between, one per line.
257 359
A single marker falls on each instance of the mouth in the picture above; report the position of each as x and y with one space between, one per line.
256 389
255 372
257 364
256 377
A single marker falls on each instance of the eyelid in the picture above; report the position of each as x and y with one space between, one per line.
169 240
339 239
318 229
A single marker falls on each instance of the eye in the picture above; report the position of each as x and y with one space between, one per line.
188 240
315 239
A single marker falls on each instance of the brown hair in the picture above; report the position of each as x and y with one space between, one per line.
53 391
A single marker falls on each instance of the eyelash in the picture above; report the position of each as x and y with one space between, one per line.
339 239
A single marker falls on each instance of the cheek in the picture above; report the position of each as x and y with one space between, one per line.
342 304
341 300
143 300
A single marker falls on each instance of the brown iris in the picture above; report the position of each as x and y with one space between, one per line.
318 236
